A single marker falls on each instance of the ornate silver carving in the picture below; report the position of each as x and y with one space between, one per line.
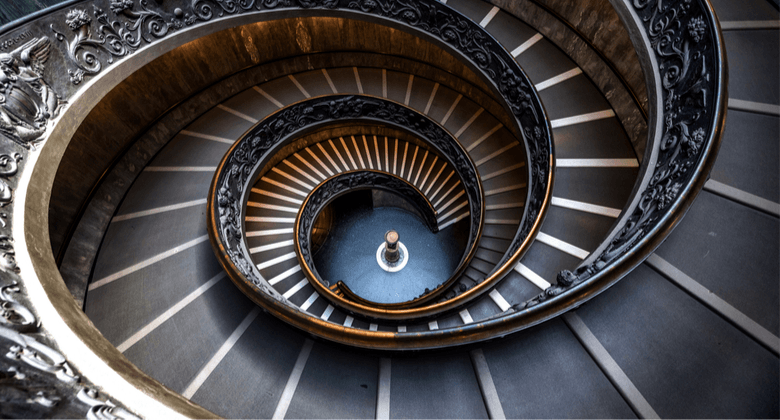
34 377
13 314
38 355
27 102
9 164
113 38
26 370
102 410
7 255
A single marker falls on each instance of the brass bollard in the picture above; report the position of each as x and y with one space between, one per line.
391 246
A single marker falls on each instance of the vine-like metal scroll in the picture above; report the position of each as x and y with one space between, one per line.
686 49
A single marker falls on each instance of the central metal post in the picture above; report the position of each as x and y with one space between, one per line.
391 246
392 255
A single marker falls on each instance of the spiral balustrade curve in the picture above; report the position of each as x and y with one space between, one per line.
240 168
59 64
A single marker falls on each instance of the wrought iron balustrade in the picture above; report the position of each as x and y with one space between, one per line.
53 62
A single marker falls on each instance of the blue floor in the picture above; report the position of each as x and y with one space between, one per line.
349 254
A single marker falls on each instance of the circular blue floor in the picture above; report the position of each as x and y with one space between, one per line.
349 254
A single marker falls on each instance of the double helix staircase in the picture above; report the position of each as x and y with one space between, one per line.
690 332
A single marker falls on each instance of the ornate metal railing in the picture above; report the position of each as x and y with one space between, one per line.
59 365
681 42
241 165
61 79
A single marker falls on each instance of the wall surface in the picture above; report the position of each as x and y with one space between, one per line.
597 22
592 35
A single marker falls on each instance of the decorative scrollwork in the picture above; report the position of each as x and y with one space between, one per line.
9 164
7 255
34 377
113 38
683 44
564 281
102 410
26 349
13 314
203 9
26 372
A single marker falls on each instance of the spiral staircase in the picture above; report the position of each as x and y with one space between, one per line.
131 287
